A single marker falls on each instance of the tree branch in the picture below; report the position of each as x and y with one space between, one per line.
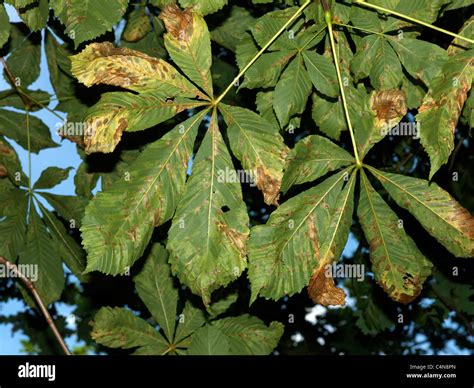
12 267
28 103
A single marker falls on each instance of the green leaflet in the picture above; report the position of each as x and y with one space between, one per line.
119 222
120 328
377 59
269 24
210 215
39 252
138 25
51 177
422 60
88 19
154 285
230 33
322 73
292 91
209 341
13 214
435 209
10 164
204 7
284 252
12 125
188 43
25 56
371 319
34 13
259 147
4 26
68 249
118 112
312 158
399 267
102 63
266 71
70 207
248 335
190 320
439 113
332 241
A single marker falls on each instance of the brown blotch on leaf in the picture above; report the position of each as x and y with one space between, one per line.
4 150
389 104
178 23
323 291
269 186
237 239
3 171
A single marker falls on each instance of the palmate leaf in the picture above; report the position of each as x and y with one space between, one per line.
399 267
312 158
118 223
120 328
88 19
155 288
284 252
188 43
259 147
435 209
207 239
442 106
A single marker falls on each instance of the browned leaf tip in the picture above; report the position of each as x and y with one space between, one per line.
389 104
323 291
178 23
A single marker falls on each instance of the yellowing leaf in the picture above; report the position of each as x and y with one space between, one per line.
118 112
259 147
435 209
399 267
188 42
442 106
102 63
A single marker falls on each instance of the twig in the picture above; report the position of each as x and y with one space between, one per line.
28 103
12 267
